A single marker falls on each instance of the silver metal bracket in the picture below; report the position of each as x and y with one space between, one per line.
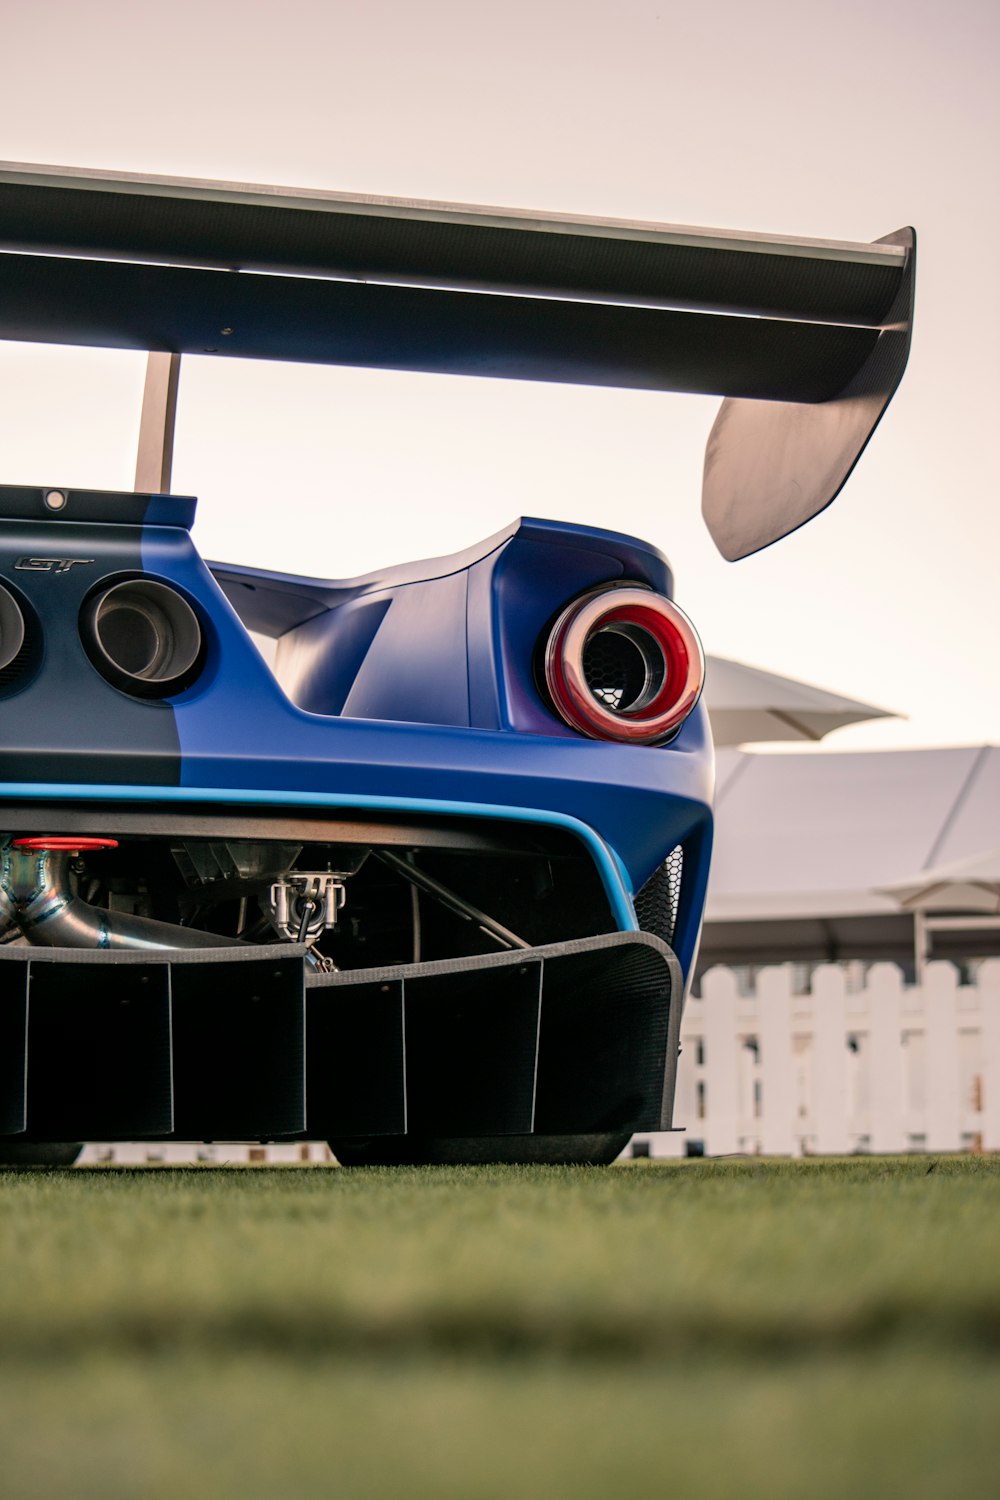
306 903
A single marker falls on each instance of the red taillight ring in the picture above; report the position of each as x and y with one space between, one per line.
669 642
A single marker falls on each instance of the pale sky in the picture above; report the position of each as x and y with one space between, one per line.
837 120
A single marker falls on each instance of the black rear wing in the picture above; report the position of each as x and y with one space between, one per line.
806 339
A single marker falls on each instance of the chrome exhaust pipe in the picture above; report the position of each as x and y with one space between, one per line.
35 897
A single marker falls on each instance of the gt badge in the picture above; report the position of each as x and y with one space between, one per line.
50 564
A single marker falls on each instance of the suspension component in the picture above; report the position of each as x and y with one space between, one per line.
305 903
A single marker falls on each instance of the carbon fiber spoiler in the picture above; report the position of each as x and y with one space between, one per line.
806 339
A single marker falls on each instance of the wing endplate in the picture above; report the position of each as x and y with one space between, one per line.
771 466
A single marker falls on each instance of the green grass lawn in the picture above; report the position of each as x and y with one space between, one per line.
713 1329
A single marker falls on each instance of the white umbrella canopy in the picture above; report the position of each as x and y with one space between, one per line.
970 885
746 704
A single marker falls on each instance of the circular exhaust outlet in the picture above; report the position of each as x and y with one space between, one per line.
12 630
624 664
144 637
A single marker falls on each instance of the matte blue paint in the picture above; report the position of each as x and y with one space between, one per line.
493 743
171 510
447 712
457 639
280 600
640 800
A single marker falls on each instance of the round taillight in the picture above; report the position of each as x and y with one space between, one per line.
143 636
624 664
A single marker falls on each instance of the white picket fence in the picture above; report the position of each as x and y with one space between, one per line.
217 1153
856 1064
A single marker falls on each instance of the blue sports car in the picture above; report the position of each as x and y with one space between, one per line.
429 886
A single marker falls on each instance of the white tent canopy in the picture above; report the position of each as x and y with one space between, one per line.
971 884
815 833
816 853
746 704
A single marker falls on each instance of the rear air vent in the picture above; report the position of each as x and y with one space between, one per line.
11 628
143 636
20 642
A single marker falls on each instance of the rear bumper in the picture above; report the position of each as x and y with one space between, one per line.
247 1044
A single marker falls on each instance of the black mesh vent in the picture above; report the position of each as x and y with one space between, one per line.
656 904
614 669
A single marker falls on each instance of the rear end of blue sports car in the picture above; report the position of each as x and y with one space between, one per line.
427 885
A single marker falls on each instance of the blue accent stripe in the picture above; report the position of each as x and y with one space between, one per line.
614 876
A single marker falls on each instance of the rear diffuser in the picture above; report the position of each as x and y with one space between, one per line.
251 1044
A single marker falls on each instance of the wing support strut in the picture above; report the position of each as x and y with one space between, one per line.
157 424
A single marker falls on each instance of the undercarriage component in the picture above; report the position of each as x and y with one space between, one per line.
305 904
452 901
35 898
214 862
452 891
